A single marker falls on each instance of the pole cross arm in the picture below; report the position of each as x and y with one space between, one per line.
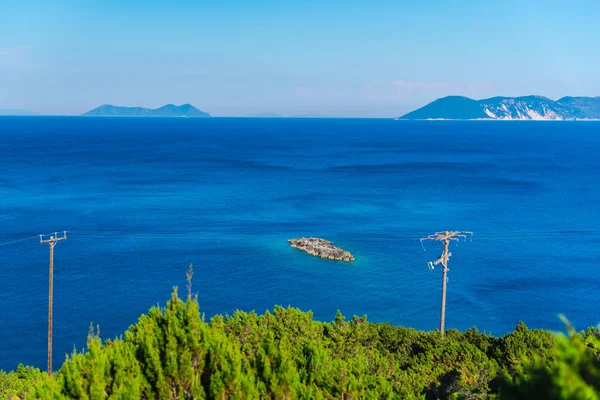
53 237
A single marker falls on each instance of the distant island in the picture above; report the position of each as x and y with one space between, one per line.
170 110
11 112
509 108
266 115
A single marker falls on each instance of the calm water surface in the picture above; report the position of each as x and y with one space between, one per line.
144 198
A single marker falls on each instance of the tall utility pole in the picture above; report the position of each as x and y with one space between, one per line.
52 240
444 237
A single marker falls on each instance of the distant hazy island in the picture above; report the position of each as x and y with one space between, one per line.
170 110
16 112
509 108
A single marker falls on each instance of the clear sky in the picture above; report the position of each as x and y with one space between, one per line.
338 58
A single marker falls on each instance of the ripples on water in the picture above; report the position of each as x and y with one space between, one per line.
143 198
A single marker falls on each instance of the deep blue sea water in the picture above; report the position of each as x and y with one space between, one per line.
144 198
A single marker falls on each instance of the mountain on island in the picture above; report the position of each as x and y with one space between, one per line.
170 110
509 108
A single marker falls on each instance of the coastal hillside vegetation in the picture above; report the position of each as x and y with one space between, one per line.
173 353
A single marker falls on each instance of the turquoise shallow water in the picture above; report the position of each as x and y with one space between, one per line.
143 198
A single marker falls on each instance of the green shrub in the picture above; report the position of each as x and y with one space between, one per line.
173 353
573 373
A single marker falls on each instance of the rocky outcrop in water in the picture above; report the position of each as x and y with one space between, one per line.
321 248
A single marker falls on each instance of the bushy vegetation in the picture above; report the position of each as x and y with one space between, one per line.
20 383
574 372
172 353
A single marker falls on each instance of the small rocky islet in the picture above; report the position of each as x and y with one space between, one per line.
321 248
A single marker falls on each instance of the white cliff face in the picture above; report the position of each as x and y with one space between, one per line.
527 108
490 114
509 108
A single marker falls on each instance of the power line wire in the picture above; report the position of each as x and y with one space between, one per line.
19 240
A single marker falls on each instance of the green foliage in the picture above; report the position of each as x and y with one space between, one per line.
20 383
573 374
173 353
522 345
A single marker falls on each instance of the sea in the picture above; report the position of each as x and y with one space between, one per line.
141 199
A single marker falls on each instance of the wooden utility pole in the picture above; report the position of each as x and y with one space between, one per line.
52 240
445 237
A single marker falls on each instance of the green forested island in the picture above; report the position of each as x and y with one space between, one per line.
173 353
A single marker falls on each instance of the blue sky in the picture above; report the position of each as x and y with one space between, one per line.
338 58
